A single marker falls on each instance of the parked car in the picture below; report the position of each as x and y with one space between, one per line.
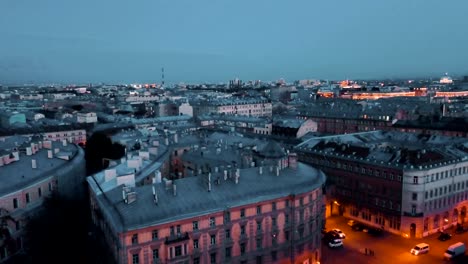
420 249
358 227
375 231
351 223
461 229
444 236
339 232
455 250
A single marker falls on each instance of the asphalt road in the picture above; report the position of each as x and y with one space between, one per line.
388 248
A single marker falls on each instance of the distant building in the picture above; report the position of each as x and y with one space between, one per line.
31 170
86 117
269 214
231 106
10 118
293 128
409 184
446 79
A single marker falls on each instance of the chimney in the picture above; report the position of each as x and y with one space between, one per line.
209 181
174 189
64 142
260 170
216 170
28 151
225 174
252 164
166 141
49 154
33 164
277 171
155 196
176 138
271 168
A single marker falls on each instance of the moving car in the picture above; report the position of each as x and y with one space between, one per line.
455 250
420 249
444 236
339 232
333 239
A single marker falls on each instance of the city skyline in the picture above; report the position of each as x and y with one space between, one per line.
213 42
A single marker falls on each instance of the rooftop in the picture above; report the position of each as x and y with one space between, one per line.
20 174
193 198
390 148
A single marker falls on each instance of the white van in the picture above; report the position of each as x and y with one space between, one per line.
454 250
420 249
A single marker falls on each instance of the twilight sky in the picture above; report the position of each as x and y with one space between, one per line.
217 40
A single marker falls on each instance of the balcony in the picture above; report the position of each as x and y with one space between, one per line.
413 214
177 238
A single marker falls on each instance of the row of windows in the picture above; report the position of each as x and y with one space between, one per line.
443 190
177 229
353 168
27 197
445 201
442 175
181 250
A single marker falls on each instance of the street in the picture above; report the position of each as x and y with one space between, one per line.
387 248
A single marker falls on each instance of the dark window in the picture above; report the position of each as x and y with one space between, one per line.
273 206
228 252
301 201
172 230
415 196
155 254
135 259
39 191
286 203
286 235
195 243
259 260
273 221
213 240
213 258
286 218
154 234
259 243
228 233
27 198
178 251
227 217
242 213
212 222
259 226
274 255
259 209
178 229
242 230
195 225
134 239
15 203
242 248
196 261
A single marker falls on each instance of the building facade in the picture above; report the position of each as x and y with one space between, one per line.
30 171
406 183
268 214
